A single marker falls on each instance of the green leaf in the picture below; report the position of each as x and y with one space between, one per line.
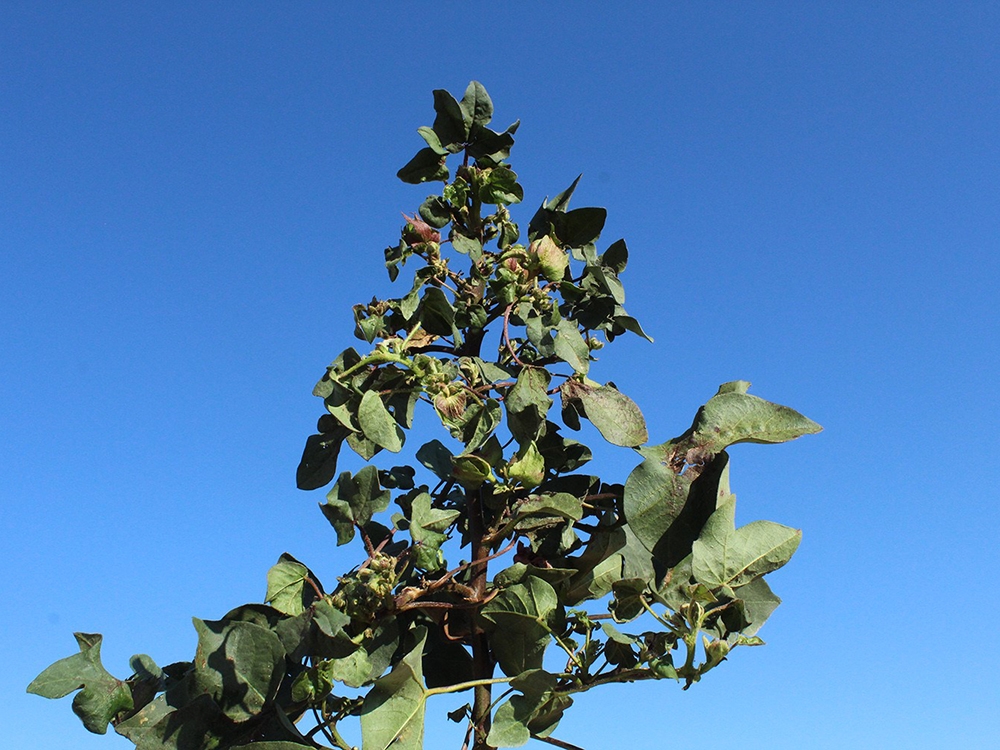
485 421
450 123
561 201
535 712
378 424
527 403
435 211
727 556
734 416
615 257
561 504
288 586
571 348
471 471
520 619
508 729
432 140
614 414
240 664
476 105
528 467
434 456
436 313
319 459
500 187
581 226
426 166
353 670
758 603
467 245
490 148
393 710
198 725
428 527
552 259
101 698
654 497
353 501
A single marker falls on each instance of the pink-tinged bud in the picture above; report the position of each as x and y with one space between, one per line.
552 259
425 231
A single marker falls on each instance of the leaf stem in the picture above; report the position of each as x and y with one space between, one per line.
460 686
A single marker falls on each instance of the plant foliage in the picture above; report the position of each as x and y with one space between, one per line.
503 561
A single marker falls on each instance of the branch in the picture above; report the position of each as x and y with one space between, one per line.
557 743
506 334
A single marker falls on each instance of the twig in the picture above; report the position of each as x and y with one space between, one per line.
506 335
557 743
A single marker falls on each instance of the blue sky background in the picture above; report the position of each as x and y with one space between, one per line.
193 195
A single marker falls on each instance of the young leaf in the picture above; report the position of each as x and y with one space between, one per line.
476 105
450 124
528 467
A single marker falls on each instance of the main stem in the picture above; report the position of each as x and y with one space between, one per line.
482 660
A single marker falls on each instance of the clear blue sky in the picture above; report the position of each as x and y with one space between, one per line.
193 195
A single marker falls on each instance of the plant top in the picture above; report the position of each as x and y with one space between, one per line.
503 565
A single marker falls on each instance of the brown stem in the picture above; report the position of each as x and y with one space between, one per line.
506 335
558 743
482 660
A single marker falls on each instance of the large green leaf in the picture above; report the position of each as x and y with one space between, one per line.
667 511
393 711
527 403
581 226
614 414
734 416
520 620
571 348
101 696
654 497
436 313
435 456
727 556
197 725
240 664
378 424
